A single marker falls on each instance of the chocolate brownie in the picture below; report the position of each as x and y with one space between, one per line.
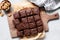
35 10
20 26
28 11
20 34
37 17
22 13
39 23
40 29
30 19
16 15
34 31
26 26
32 25
27 32
28 22
16 21
24 20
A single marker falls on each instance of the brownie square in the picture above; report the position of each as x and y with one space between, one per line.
37 17
20 34
30 19
39 23
20 26
34 31
26 26
16 15
28 11
27 32
24 19
22 13
16 21
32 25
35 10
40 29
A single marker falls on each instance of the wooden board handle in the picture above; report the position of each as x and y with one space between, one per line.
46 18
52 17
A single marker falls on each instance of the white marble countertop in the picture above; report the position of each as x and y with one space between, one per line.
53 34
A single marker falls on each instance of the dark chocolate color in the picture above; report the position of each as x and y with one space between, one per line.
20 26
37 17
34 31
20 34
40 29
28 11
22 13
24 20
27 32
39 23
30 19
26 26
35 10
16 21
32 25
16 15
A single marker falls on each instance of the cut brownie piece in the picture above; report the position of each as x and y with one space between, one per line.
32 25
20 26
28 12
34 31
27 32
40 29
16 21
39 23
16 15
35 10
22 13
24 19
37 17
26 26
30 19
20 34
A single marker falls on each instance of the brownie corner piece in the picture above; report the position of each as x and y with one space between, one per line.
20 33
16 15
22 12
28 11
35 10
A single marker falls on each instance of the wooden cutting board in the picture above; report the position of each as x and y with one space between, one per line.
25 4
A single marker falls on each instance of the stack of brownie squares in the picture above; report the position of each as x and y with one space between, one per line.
28 22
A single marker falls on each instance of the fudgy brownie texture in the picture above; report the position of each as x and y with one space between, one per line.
20 34
28 22
27 32
34 31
